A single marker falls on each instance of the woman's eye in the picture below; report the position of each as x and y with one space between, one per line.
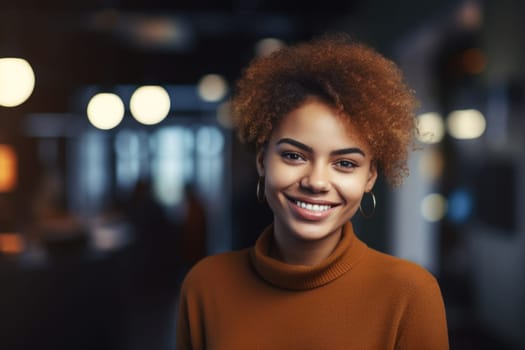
346 164
292 156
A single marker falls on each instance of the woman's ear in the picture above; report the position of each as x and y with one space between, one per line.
372 176
259 159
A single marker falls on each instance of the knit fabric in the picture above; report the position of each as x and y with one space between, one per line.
357 298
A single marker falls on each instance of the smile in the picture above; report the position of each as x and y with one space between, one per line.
312 207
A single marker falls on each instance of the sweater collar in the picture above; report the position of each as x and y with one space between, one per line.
348 253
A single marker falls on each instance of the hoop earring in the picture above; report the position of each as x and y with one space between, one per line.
260 189
368 215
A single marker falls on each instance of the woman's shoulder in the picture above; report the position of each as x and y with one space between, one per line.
217 267
221 260
402 272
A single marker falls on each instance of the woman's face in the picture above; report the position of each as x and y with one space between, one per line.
316 170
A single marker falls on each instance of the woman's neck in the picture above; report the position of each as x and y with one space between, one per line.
295 251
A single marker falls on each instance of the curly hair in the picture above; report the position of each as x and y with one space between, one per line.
367 88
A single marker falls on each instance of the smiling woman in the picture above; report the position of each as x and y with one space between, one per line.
316 169
327 117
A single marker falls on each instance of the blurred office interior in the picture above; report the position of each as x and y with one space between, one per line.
119 168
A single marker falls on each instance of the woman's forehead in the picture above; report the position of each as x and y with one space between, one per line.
318 123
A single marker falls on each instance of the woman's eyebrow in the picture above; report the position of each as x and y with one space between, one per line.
296 144
350 150
309 149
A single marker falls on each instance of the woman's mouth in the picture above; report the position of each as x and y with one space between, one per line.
312 207
314 210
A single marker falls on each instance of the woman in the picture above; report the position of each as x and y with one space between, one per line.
326 117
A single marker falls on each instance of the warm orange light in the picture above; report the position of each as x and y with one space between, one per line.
11 243
8 168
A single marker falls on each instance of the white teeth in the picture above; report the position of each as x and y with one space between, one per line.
312 207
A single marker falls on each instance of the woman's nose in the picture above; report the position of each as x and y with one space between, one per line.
316 179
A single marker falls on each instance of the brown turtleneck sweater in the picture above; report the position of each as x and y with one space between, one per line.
356 299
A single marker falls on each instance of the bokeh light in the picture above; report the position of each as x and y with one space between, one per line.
150 104
8 168
224 115
434 207
105 111
11 243
461 204
466 124
265 47
17 81
212 88
209 141
431 127
431 164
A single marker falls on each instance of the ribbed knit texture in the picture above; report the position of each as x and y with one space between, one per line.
347 253
357 298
